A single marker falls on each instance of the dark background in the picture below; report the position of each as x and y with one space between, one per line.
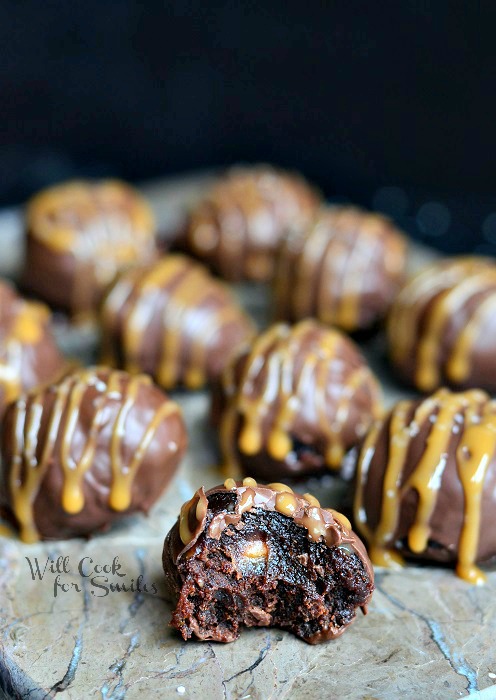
388 104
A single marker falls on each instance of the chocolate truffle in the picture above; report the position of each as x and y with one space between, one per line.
344 269
79 235
263 556
28 353
82 453
442 327
237 227
173 320
426 482
295 402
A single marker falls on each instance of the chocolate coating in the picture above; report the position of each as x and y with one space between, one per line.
82 453
442 326
28 353
344 269
244 554
426 482
173 320
238 226
79 234
294 403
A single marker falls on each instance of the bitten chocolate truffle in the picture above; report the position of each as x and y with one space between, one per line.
79 235
442 327
173 320
344 269
262 556
237 227
294 403
426 482
28 353
82 453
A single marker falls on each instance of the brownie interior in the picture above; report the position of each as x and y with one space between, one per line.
267 572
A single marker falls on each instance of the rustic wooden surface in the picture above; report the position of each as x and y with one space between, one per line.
428 634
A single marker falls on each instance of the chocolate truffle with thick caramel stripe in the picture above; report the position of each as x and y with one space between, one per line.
244 554
28 353
237 227
82 453
173 320
426 482
79 235
442 326
295 402
344 269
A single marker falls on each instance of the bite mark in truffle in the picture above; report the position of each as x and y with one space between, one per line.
253 555
426 482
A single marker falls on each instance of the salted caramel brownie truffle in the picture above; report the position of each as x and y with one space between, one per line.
244 554
294 403
426 482
173 320
82 453
442 327
237 227
28 353
344 269
79 235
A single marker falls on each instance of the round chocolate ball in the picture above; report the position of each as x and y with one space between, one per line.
81 454
173 320
28 353
294 403
79 234
237 227
244 554
426 482
344 269
442 326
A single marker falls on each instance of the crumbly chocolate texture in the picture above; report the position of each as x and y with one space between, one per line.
28 353
79 235
426 483
173 320
249 555
442 326
238 226
87 451
295 403
345 269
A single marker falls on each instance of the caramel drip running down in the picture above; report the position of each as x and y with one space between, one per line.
182 286
276 356
447 289
470 416
25 328
31 459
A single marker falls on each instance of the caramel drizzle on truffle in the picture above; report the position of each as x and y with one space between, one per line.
25 326
31 459
445 290
184 288
334 257
472 416
277 353
104 226
320 523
